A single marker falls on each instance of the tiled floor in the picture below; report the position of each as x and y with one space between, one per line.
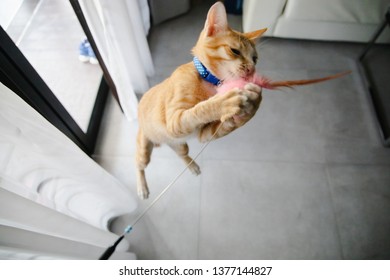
306 178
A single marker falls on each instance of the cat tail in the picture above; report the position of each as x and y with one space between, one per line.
267 83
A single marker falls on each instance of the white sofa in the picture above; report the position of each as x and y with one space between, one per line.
335 20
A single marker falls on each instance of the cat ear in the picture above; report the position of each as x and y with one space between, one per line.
216 20
254 35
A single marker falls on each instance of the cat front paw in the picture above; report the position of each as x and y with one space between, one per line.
253 94
252 91
232 103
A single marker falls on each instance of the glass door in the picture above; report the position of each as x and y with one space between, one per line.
45 43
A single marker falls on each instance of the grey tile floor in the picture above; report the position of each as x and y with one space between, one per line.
306 178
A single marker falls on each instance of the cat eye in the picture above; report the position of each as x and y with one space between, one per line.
254 59
235 51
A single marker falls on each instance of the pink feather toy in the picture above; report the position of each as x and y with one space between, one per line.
267 83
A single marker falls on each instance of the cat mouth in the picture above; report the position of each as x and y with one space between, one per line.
248 74
248 77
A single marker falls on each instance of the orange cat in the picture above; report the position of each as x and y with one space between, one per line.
185 104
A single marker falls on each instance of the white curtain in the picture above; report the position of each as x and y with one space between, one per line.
29 230
46 167
50 189
119 29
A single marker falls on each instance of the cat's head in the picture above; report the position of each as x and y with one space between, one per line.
227 53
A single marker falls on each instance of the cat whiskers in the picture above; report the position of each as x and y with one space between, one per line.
264 42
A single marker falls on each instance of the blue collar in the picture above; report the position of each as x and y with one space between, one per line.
205 73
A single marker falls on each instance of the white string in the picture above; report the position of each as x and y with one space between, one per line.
130 227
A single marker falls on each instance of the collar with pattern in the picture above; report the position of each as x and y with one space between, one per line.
205 73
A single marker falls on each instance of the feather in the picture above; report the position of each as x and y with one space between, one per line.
267 83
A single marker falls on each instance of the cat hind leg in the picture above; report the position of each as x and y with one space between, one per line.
182 151
142 159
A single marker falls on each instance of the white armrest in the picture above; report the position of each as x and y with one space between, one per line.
259 14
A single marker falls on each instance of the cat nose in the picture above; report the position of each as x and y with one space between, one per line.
250 70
